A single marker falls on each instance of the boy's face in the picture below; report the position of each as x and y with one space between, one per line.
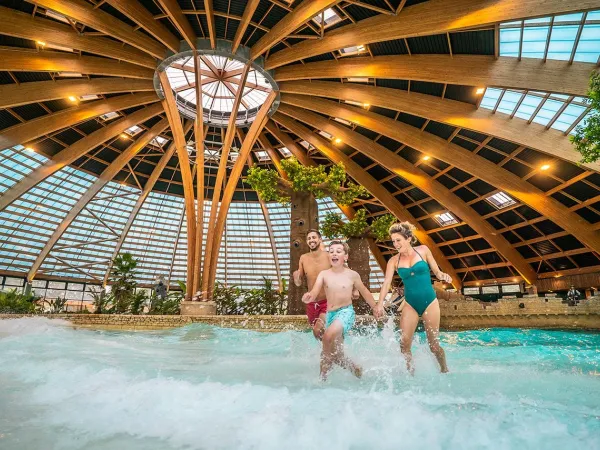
337 255
313 240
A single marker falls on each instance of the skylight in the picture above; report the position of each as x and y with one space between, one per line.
132 131
558 111
325 134
109 116
87 97
352 50
285 152
159 141
57 16
70 74
344 121
331 17
357 79
305 144
500 200
569 37
262 155
445 219
352 102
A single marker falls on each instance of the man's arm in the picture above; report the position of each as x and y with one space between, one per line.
299 274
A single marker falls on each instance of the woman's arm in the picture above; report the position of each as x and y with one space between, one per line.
387 282
434 267
366 294
311 296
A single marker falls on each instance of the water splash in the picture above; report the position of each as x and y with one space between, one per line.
205 387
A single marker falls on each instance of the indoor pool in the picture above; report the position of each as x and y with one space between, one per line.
202 387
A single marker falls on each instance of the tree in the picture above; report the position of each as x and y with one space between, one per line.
122 278
587 136
300 188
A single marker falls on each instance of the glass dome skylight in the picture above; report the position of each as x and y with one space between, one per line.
220 79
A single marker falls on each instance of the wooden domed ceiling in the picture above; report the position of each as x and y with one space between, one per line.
391 88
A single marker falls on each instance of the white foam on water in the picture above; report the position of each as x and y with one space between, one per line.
207 388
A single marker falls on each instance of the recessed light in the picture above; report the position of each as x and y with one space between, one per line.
426 158
29 149
41 43
366 105
545 167
480 91
72 98
124 135
338 140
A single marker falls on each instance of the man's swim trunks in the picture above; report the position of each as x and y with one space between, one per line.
345 315
315 309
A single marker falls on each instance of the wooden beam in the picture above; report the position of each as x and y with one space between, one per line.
469 70
41 91
25 26
140 15
107 175
174 118
290 23
76 151
210 19
243 25
451 112
210 259
173 10
253 133
33 61
463 159
425 19
25 132
417 177
199 135
164 160
83 12
370 183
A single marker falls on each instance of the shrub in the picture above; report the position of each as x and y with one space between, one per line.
13 302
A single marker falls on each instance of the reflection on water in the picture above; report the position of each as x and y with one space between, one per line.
207 387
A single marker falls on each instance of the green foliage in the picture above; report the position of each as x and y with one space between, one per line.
170 305
55 306
333 227
313 179
231 300
138 301
587 137
14 303
122 277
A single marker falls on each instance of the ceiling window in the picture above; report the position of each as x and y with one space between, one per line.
132 131
262 155
568 37
159 141
330 16
109 116
445 219
500 200
285 152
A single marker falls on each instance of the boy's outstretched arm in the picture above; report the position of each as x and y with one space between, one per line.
311 295
377 308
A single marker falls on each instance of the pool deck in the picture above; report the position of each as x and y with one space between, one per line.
456 315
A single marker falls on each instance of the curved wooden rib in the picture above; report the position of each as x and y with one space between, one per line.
209 258
465 160
75 151
41 91
243 25
432 17
174 12
174 118
371 184
25 132
32 61
83 12
300 15
164 160
300 154
232 181
210 19
108 174
470 70
140 15
418 178
200 135
23 25
455 113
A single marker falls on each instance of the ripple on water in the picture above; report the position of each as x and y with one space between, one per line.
207 387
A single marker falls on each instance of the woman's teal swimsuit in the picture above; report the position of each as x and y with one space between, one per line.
418 290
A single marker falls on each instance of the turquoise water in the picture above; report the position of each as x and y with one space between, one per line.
201 387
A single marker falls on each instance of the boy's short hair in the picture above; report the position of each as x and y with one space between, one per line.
343 244
314 230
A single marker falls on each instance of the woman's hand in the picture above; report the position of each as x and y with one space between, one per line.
378 311
444 277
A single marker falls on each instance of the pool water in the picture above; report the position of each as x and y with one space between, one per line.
202 387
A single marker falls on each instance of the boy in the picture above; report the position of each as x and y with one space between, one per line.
338 283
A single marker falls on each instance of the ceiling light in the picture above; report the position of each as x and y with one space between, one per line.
29 149
480 91
426 158
360 48
366 105
338 140
545 167
123 135
41 43
72 98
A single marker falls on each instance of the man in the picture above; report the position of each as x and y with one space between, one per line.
339 284
573 295
309 266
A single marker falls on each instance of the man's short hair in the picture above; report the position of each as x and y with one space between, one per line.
343 244
314 230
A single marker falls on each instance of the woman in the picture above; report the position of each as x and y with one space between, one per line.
413 265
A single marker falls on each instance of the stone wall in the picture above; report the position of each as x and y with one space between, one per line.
456 315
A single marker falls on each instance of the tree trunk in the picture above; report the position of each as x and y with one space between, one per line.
358 260
304 216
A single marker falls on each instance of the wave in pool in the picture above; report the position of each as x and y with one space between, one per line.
204 387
